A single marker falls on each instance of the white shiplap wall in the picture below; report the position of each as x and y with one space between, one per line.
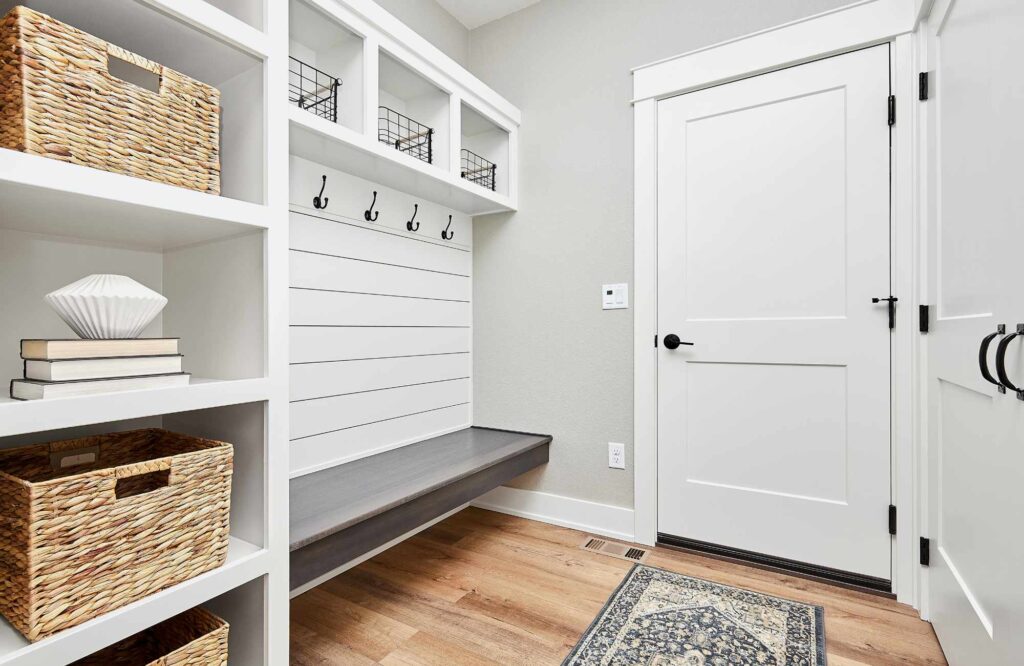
380 320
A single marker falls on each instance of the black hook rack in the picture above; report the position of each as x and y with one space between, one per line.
367 215
445 234
408 225
320 201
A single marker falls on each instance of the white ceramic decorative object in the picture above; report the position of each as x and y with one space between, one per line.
106 307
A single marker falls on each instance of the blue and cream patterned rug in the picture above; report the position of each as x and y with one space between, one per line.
660 618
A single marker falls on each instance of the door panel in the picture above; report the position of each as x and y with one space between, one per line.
773 237
975 432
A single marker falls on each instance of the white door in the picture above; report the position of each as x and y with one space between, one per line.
773 237
975 437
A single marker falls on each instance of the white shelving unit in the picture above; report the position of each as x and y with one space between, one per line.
222 263
398 68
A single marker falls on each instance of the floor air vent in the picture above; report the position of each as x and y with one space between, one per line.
612 549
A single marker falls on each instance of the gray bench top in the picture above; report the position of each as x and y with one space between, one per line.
331 500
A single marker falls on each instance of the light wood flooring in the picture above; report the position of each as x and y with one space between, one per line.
485 588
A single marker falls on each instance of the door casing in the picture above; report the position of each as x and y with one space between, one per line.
845 29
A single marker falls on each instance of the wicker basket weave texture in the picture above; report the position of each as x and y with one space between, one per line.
196 637
149 512
58 100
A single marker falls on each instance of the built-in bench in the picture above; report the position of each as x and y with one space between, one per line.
341 513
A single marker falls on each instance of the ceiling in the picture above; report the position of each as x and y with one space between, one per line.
475 13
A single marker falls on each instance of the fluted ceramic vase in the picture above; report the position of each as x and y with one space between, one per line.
106 307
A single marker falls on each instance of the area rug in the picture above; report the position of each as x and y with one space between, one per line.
660 618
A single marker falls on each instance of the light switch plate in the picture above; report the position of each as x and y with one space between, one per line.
615 296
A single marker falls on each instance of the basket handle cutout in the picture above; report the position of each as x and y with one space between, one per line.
60 460
126 66
140 484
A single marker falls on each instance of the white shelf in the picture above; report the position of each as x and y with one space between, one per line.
21 417
215 22
337 146
245 562
48 196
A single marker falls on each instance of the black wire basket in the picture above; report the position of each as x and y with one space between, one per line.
405 134
313 90
477 170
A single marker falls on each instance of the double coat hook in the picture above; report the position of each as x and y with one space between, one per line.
370 215
445 234
318 202
409 225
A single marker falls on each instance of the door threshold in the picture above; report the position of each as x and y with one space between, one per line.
853 581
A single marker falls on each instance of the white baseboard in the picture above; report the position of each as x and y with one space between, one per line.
606 520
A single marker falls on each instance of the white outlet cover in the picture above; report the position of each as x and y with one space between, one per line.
616 455
615 296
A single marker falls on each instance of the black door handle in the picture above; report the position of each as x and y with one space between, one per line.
672 341
983 356
1001 361
891 301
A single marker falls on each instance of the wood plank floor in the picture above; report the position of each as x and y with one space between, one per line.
485 588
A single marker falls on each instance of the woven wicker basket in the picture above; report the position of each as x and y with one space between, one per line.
58 99
89 525
193 638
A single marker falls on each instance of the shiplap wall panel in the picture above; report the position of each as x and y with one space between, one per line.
331 308
315 453
315 344
316 380
380 321
316 417
358 241
326 272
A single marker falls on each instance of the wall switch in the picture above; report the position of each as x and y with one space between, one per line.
616 455
615 296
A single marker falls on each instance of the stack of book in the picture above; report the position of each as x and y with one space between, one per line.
66 368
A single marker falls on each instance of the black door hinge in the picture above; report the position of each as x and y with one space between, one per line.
892 519
923 317
892 110
922 86
655 339
926 552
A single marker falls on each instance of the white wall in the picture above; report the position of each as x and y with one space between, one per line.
546 357
434 24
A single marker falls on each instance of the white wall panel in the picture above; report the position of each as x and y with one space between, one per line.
314 344
334 448
331 308
318 380
315 417
381 318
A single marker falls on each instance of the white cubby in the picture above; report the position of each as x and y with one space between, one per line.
318 41
238 74
248 11
488 140
248 562
410 94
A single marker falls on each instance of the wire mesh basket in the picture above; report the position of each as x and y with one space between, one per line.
313 90
405 134
477 170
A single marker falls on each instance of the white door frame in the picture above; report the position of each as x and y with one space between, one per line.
866 23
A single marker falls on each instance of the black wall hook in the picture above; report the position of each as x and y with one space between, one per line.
408 225
367 215
318 202
445 234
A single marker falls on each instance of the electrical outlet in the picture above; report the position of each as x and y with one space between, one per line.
616 455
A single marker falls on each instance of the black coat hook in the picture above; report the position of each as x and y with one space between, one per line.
367 215
408 225
318 202
445 234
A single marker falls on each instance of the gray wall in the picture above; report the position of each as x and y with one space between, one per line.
547 358
434 24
